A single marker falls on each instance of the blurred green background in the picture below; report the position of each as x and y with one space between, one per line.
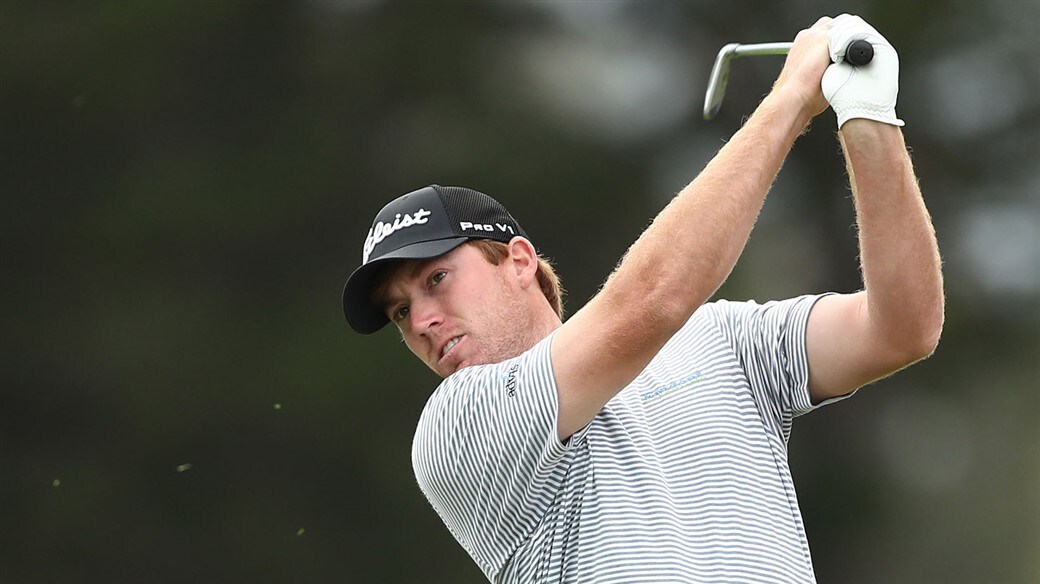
187 184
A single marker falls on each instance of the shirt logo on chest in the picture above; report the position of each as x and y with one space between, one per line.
671 387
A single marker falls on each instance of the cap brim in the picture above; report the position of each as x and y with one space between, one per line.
365 317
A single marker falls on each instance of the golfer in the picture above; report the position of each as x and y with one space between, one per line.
645 438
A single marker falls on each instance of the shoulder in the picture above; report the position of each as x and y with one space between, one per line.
797 306
482 388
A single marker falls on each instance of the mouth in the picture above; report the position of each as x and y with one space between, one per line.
449 346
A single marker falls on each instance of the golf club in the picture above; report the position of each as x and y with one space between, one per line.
858 53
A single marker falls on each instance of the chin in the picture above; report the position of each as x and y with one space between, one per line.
444 372
460 367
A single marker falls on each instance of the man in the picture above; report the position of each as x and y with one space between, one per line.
644 440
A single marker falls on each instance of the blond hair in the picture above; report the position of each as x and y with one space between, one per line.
548 280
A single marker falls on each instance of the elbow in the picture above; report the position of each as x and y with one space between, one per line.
658 314
922 342
931 330
656 301
909 335
666 310
930 342
926 346
930 326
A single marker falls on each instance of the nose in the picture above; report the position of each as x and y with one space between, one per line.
425 314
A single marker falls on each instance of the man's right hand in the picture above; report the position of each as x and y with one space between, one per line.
804 68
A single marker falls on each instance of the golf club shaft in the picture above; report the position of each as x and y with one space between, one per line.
858 53
762 49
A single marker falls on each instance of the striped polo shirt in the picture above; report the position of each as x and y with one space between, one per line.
681 477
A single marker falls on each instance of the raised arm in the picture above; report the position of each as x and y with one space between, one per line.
689 249
897 319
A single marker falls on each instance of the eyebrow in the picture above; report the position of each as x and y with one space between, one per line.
379 295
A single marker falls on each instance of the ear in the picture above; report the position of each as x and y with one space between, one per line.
523 261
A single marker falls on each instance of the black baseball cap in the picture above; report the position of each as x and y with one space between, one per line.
421 224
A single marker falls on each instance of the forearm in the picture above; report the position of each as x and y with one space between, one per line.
898 250
689 249
674 267
693 244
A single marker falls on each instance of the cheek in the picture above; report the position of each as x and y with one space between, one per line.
498 308
412 345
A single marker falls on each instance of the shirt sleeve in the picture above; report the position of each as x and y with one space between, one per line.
486 454
769 341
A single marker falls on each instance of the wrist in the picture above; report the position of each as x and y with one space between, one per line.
871 132
862 112
790 104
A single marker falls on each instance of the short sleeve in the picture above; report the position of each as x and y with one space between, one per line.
769 341
486 454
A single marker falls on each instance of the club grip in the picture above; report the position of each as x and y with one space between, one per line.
859 53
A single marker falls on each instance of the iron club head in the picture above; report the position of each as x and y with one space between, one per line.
720 71
718 80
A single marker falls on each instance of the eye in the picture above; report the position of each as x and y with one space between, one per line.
400 313
436 277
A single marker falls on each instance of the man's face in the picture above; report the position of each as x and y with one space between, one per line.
457 309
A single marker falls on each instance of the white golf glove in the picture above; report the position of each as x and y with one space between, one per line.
868 91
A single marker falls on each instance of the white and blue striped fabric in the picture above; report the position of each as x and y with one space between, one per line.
682 477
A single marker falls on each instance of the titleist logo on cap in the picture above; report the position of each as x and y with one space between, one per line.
381 231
